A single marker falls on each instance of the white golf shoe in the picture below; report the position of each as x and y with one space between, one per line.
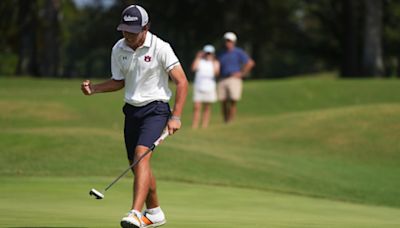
151 219
132 220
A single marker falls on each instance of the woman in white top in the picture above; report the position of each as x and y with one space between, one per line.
206 68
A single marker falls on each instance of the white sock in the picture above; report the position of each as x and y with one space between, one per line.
154 211
155 214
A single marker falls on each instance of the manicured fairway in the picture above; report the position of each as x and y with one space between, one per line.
64 202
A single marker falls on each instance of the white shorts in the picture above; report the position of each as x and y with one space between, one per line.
204 96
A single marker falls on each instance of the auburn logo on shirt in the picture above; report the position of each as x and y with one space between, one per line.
147 58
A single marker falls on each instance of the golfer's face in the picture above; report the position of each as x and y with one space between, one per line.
133 39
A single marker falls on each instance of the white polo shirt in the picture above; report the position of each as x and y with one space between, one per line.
144 70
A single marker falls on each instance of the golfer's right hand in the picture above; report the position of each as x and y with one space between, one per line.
86 87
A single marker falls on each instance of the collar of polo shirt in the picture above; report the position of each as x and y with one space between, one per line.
147 43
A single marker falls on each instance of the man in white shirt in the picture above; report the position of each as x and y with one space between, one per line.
141 62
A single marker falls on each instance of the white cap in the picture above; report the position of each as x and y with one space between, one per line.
230 36
209 49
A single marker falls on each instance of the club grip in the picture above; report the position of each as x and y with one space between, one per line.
162 137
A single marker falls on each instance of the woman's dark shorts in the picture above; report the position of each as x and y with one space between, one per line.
144 125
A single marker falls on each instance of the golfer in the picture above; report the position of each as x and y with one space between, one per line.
141 62
235 65
206 68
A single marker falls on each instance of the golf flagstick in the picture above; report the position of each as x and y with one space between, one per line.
100 195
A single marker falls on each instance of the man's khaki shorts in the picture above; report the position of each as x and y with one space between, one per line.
230 89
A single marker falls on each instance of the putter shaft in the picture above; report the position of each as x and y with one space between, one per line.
130 167
100 195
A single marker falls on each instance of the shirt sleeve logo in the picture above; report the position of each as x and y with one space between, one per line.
147 58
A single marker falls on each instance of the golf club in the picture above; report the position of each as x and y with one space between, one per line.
100 195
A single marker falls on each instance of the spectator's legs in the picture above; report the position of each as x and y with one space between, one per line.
232 111
196 115
225 110
206 115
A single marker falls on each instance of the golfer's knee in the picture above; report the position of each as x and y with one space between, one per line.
139 152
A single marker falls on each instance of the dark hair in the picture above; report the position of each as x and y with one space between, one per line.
147 26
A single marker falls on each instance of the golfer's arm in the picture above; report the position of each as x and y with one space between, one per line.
178 76
108 86
248 66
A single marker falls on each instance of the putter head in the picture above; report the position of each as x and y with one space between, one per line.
96 194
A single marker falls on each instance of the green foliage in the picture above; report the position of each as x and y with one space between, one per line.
8 63
284 37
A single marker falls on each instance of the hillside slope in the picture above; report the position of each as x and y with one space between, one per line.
336 139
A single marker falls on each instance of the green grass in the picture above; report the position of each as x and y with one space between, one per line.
321 143
63 202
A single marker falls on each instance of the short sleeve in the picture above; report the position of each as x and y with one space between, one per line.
116 73
168 58
244 58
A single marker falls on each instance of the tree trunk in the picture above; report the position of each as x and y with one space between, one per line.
50 48
27 61
372 61
351 39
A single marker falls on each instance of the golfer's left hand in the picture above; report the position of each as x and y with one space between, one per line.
173 126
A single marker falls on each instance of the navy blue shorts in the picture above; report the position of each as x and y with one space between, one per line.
144 125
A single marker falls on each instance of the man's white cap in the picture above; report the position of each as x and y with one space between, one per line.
209 49
230 36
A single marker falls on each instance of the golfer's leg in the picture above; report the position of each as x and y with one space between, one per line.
152 198
142 178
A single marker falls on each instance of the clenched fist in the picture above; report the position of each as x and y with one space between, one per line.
87 88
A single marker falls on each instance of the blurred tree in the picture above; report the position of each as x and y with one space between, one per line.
351 38
92 33
391 37
372 62
59 38
50 43
9 41
357 27
27 51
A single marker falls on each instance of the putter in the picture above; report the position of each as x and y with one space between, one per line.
100 195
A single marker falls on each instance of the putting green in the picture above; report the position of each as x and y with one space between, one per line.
64 202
